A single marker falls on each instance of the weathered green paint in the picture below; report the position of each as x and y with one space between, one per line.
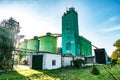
23 45
70 33
85 47
48 44
33 45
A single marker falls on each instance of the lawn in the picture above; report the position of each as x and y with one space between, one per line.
63 74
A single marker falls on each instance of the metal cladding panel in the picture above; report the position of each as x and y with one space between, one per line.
85 47
33 45
23 45
48 44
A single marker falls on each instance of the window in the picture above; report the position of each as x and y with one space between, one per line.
68 46
53 62
67 28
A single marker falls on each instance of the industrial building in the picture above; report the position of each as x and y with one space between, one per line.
73 45
45 61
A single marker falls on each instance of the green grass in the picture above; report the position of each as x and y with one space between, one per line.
62 74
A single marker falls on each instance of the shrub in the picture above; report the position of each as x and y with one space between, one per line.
114 61
118 61
95 71
8 33
7 64
78 63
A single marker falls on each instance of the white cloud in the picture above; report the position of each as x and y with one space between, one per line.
114 18
111 29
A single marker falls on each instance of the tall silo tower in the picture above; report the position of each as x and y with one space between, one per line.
70 33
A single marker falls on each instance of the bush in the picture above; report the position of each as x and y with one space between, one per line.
78 63
118 61
114 61
7 64
95 71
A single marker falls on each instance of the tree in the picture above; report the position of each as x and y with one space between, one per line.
8 30
117 44
115 57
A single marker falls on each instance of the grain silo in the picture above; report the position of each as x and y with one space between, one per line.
33 44
23 48
48 43
23 45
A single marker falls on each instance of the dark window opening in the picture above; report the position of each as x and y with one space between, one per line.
53 62
67 28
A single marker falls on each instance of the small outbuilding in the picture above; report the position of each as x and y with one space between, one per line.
45 61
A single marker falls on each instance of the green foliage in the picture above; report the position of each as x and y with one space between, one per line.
117 43
7 64
115 57
118 60
95 71
6 48
19 57
113 62
78 63
8 30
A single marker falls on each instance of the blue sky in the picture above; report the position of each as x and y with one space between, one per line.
99 20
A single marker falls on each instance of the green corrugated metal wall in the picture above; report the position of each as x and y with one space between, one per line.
85 47
23 46
33 45
48 44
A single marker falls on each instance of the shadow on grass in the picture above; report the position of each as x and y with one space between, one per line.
63 73
56 74
12 75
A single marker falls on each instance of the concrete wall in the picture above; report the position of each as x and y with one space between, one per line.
90 60
66 61
49 58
